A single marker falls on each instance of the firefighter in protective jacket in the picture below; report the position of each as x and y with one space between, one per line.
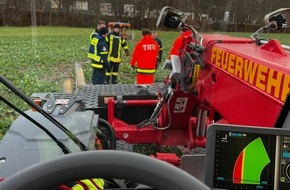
175 49
116 44
144 58
98 53
160 53
100 24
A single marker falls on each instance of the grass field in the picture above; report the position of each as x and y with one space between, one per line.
39 59
48 54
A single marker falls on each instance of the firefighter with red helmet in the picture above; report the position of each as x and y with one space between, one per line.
116 44
144 58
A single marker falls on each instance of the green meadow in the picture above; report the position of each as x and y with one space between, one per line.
46 55
39 59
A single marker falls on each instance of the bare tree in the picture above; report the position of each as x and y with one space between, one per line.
118 9
245 14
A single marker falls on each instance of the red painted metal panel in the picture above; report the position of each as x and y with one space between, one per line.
181 106
168 157
247 84
134 135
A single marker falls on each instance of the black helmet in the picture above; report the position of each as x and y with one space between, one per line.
103 30
117 26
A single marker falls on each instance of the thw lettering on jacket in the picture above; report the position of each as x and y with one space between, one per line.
149 47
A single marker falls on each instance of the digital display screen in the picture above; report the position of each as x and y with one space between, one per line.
251 161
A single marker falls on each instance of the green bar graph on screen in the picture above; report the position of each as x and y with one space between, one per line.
250 163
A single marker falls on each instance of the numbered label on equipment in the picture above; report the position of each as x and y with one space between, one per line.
180 105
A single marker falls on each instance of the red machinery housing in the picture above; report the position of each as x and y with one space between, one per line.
238 82
230 80
214 79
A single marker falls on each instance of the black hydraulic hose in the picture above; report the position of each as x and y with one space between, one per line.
169 115
10 86
108 126
101 135
166 97
64 149
216 42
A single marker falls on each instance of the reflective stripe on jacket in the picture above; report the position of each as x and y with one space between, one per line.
145 71
144 55
93 34
89 184
98 52
116 43
93 50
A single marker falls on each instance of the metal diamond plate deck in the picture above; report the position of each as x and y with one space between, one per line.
91 92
